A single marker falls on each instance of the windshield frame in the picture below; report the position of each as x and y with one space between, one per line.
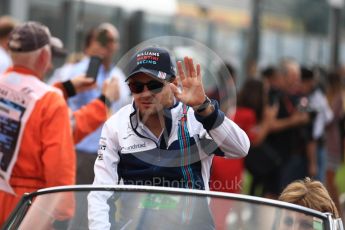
26 200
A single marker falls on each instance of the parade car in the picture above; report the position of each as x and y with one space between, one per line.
145 207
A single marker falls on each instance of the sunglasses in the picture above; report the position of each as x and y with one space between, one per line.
153 86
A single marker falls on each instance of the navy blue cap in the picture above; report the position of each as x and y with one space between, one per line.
154 61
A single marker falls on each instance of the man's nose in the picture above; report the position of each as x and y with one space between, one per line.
146 90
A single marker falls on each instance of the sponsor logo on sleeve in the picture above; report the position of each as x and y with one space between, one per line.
101 148
100 155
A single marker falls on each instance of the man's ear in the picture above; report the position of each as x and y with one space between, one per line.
42 62
43 55
39 60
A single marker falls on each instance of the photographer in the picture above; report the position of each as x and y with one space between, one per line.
334 140
315 103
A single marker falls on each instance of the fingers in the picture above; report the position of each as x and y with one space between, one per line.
111 89
175 90
190 68
198 72
186 65
82 83
114 81
111 83
192 72
180 71
89 81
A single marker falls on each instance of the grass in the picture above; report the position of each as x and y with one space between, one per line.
340 179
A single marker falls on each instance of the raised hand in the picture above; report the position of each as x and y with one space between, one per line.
192 93
111 89
82 83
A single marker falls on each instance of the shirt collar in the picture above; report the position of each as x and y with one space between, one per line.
168 118
21 69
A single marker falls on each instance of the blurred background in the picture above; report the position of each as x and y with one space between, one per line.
249 34
245 33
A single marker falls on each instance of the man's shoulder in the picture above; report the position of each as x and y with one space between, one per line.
45 89
29 84
53 99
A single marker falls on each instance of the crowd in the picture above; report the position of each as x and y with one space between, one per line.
294 118
289 120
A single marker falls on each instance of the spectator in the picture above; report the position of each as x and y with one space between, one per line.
143 142
62 73
33 148
106 48
7 24
275 81
256 117
310 194
334 141
88 118
317 105
289 136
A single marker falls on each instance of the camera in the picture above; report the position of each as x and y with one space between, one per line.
94 65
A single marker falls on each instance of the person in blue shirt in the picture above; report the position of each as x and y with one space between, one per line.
102 41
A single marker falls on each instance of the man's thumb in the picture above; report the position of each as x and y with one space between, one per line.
175 89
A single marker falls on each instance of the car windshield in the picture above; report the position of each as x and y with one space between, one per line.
129 207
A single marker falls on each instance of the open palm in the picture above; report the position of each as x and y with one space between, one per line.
192 93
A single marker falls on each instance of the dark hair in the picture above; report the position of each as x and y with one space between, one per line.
91 33
5 31
334 79
306 74
333 83
269 72
252 96
7 24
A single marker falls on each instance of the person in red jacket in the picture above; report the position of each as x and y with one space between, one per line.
37 148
